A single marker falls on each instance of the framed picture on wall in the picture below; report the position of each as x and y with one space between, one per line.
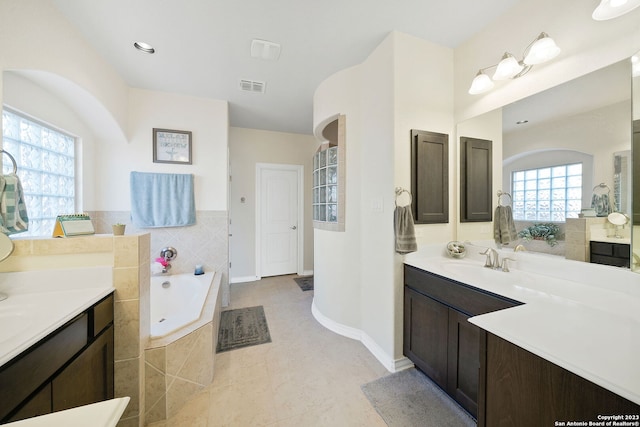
171 146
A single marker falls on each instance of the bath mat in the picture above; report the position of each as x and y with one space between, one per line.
408 398
242 327
305 283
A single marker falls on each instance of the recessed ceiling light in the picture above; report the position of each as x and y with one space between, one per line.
521 122
144 47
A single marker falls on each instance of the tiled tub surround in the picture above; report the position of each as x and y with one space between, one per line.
181 364
582 317
204 243
128 256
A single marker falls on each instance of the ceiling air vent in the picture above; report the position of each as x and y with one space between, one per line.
263 49
252 86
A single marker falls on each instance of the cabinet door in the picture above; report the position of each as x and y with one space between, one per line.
425 335
89 378
430 176
475 180
39 404
464 361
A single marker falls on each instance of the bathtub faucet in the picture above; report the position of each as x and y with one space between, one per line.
168 254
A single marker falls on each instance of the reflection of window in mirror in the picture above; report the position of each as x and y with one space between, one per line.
329 178
549 185
548 193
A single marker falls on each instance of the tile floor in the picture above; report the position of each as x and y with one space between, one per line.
307 376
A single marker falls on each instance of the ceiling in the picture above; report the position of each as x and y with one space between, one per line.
601 88
203 46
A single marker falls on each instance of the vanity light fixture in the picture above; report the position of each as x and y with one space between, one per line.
542 49
609 9
144 47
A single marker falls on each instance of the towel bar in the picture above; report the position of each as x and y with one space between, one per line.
399 191
15 166
602 186
502 193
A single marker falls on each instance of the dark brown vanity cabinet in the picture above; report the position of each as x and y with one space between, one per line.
616 254
525 390
438 339
73 366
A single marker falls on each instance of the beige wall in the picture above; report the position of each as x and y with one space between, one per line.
246 148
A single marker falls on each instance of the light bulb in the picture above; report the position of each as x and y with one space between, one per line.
542 50
609 9
481 83
507 68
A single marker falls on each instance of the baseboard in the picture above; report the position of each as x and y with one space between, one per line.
307 273
334 326
354 333
243 279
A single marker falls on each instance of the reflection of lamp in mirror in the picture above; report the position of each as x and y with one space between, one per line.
618 220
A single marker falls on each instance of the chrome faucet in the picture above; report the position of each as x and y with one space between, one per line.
168 254
493 258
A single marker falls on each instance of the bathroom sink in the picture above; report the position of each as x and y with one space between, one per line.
472 272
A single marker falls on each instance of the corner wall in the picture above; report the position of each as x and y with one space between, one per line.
358 290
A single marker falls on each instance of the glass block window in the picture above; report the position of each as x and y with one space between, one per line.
45 159
325 185
547 194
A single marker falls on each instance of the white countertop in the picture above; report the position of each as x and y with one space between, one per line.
583 317
101 414
41 301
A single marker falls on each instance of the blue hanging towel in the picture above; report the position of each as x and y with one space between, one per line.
162 200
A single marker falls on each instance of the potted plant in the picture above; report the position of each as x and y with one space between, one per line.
118 229
542 231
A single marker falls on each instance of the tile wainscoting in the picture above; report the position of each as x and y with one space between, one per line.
206 242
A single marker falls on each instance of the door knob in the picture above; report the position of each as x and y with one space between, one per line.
294 228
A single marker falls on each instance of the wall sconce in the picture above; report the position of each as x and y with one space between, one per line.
609 9
542 49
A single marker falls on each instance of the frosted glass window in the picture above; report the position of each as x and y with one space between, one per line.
45 159
547 194
325 190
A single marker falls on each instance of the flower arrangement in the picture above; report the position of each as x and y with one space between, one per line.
542 231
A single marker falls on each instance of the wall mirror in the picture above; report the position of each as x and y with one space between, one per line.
583 122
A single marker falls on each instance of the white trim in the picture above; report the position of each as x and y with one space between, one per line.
244 279
307 273
258 248
391 364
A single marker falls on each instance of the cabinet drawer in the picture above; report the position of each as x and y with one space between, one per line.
462 297
602 248
29 371
102 315
622 251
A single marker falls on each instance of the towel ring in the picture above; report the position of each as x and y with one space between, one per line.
15 166
601 186
500 194
399 192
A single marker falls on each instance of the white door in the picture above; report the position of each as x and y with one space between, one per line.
278 213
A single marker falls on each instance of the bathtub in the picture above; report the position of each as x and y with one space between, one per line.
184 319
177 301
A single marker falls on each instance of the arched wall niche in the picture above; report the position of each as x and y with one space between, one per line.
87 107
